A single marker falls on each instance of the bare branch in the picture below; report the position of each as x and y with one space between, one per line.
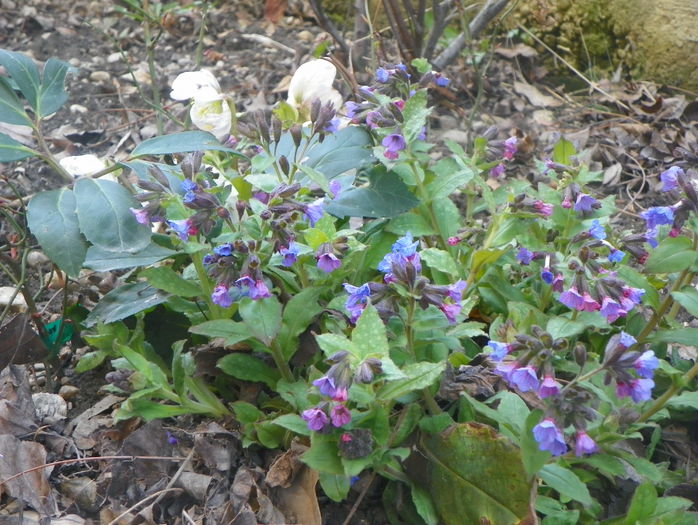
328 26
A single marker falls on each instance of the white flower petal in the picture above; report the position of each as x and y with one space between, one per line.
214 117
202 86
314 80
82 165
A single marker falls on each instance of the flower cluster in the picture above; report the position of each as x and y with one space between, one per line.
510 147
402 267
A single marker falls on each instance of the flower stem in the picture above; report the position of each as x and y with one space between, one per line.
280 361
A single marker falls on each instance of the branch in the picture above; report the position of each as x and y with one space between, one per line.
491 9
328 26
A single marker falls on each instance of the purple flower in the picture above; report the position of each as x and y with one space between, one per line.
373 118
350 109
141 215
543 208
524 378
597 231
340 415
184 228
670 178
584 444
256 289
335 188
290 254
638 389
626 340
657 216
171 438
341 394
585 203
616 256
558 283
382 75
547 275
451 311
405 245
646 364
356 302
572 298
505 369
549 437
224 250
326 386
313 213
500 350
332 126
498 170
631 297
422 134
328 262
549 387
316 418
221 296
524 256
393 143
611 309
510 148
404 250
455 290
188 185
589 304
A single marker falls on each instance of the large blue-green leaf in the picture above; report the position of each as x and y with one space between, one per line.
105 218
386 196
673 254
11 107
53 221
52 94
11 150
181 143
103 260
125 301
24 73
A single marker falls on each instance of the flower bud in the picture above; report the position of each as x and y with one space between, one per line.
580 354
284 165
159 176
296 132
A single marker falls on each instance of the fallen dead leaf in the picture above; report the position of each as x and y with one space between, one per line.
17 412
534 96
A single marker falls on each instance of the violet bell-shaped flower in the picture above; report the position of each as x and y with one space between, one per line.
670 178
584 444
549 437
316 418
394 144
313 80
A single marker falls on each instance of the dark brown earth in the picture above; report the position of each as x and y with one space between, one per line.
630 130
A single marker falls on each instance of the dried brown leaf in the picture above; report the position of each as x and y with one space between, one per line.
534 96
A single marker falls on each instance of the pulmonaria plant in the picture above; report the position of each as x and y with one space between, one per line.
210 110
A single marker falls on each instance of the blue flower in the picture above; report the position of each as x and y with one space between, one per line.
657 216
221 296
616 256
184 228
404 250
328 262
405 246
627 340
188 185
524 378
357 300
313 212
393 143
290 254
326 386
524 256
549 437
224 250
455 290
646 364
585 203
597 231
332 126
382 75
547 275
441 80
351 108
584 444
500 350
670 178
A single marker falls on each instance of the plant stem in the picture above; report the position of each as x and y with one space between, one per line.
215 311
280 361
581 378
47 156
152 70
670 392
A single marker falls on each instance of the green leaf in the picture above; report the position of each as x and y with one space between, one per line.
532 456
685 400
91 360
246 412
294 423
11 150
165 278
232 331
688 298
440 260
182 143
11 107
637 280
105 218
414 223
684 336
562 327
369 336
52 220
415 114
125 301
419 375
333 343
335 486
25 74
674 254
339 152
52 94
563 151
448 182
386 196
262 317
643 504
485 257
565 482
424 505
103 260
474 475
448 217
299 312
248 368
467 329
323 455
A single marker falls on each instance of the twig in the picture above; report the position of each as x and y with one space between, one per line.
358 501
84 460
591 84
138 504
328 26
266 41
490 10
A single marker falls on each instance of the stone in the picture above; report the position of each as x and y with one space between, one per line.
50 408
18 304
100 76
113 58
37 258
68 392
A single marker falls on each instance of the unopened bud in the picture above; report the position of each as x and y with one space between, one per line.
284 165
296 134
222 212
580 354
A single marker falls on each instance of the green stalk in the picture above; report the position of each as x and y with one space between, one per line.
280 361
215 311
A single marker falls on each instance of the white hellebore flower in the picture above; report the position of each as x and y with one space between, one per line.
82 165
313 80
210 110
